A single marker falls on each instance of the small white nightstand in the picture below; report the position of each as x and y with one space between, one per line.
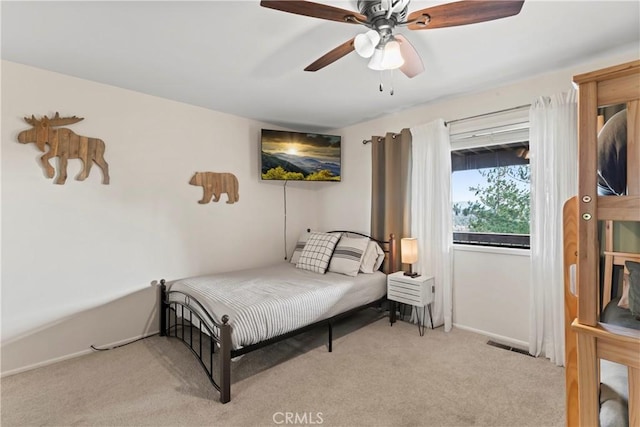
416 291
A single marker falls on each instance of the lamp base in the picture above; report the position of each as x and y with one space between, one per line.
410 274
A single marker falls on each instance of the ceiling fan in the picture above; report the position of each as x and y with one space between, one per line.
385 49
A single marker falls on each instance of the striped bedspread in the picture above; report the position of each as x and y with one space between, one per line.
266 302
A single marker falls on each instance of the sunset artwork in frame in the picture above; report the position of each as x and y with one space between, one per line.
289 156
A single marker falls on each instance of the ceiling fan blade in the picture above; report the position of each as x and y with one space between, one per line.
412 62
332 56
463 13
315 10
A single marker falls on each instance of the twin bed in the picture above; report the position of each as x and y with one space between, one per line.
224 316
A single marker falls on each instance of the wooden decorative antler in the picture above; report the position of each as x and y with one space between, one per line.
61 121
55 121
32 121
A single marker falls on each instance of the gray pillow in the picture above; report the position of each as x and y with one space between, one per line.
634 287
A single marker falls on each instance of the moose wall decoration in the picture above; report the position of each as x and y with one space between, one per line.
214 184
64 144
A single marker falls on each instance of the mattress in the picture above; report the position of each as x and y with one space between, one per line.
266 302
619 316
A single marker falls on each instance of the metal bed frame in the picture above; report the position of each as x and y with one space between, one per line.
219 334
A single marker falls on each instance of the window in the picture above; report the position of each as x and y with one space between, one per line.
490 195
491 179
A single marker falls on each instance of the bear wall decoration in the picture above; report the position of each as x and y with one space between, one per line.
214 184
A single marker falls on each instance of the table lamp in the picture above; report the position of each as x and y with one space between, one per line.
409 254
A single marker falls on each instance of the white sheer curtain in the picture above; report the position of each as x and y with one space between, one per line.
553 154
431 218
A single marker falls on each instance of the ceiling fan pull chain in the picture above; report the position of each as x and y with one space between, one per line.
391 79
381 87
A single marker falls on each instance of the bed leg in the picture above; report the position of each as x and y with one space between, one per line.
225 360
330 337
588 384
163 308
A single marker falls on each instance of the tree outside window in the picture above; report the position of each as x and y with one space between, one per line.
496 209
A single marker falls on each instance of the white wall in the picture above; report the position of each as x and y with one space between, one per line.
483 282
491 292
71 251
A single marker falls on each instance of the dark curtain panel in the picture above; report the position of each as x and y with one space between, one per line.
391 189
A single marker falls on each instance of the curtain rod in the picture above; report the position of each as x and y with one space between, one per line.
366 141
519 107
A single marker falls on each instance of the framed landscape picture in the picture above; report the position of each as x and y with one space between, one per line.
288 156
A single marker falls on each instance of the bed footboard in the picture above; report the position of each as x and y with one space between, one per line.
185 313
180 316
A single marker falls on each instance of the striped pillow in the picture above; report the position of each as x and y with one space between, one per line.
317 252
348 255
302 240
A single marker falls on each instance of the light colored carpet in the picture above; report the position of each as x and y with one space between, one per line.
377 375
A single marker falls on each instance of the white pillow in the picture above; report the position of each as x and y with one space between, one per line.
317 252
302 240
372 259
348 254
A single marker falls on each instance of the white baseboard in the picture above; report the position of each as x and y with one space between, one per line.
70 356
523 345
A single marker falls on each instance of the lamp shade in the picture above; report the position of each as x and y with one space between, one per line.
409 250
366 43
392 56
386 56
375 63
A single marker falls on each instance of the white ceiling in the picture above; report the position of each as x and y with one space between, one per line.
246 60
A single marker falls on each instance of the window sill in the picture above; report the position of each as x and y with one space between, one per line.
492 250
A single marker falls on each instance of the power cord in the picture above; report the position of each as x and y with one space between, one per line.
123 344
285 219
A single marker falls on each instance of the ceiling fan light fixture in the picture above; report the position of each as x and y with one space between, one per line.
386 57
366 43
392 58
377 59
